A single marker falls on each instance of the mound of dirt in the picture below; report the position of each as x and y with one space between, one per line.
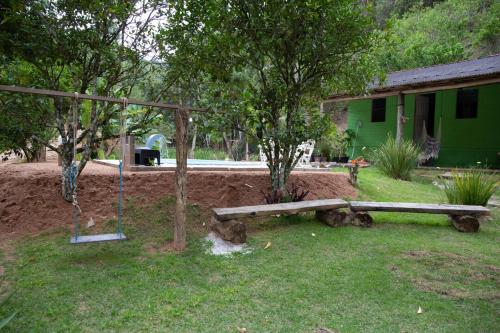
30 199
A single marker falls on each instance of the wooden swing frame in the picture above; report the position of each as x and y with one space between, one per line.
181 143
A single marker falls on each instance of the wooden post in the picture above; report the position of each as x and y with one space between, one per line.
401 118
128 147
181 145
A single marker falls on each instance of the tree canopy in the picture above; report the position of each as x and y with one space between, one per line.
285 55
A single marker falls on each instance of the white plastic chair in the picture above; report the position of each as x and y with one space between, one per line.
304 161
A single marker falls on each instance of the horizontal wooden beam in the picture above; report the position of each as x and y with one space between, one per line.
223 214
410 207
352 98
409 90
55 93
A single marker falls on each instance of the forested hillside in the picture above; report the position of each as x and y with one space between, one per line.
429 32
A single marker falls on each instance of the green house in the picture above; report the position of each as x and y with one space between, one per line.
451 110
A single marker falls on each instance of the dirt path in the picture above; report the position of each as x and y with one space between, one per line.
30 199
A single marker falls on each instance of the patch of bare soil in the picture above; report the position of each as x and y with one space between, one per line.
30 199
451 275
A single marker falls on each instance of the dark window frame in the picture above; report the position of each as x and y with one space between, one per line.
467 103
379 106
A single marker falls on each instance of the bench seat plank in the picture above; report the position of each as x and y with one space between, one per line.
223 214
418 208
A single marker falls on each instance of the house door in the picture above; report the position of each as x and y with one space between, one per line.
425 106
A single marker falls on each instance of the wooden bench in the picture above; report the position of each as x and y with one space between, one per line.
225 220
464 217
226 224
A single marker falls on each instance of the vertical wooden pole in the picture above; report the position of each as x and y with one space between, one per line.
181 145
400 120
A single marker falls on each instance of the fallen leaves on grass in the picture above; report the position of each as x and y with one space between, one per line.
268 245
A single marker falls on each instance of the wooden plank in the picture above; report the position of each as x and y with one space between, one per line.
410 207
97 238
46 92
223 214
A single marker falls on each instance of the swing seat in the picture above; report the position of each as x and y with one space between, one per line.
98 238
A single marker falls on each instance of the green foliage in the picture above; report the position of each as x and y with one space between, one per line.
448 31
278 58
396 160
473 187
23 117
342 140
209 154
88 47
384 9
200 153
325 149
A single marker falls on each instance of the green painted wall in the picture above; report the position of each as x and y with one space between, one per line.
463 141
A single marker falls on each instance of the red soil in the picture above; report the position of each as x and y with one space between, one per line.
30 199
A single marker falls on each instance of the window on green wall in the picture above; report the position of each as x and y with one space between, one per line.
466 103
378 110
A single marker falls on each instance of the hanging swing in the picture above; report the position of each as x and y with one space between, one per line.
73 173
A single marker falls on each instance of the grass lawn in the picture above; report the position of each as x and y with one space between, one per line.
345 279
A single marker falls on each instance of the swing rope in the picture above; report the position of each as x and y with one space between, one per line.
72 175
124 105
72 172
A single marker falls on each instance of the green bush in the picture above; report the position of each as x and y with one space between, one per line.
396 160
470 188
209 154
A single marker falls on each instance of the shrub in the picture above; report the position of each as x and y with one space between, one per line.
396 160
293 193
325 149
207 154
470 188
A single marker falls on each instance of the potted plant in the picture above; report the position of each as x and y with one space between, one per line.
341 143
325 149
316 155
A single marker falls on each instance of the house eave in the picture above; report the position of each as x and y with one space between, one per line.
420 88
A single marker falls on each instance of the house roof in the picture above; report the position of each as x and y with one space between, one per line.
436 76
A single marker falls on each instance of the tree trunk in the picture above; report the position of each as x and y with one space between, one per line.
227 142
35 153
193 143
66 150
67 159
246 148
181 142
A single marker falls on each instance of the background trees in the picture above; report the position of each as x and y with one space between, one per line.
95 47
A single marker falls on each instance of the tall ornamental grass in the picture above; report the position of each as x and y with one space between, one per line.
470 188
396 160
